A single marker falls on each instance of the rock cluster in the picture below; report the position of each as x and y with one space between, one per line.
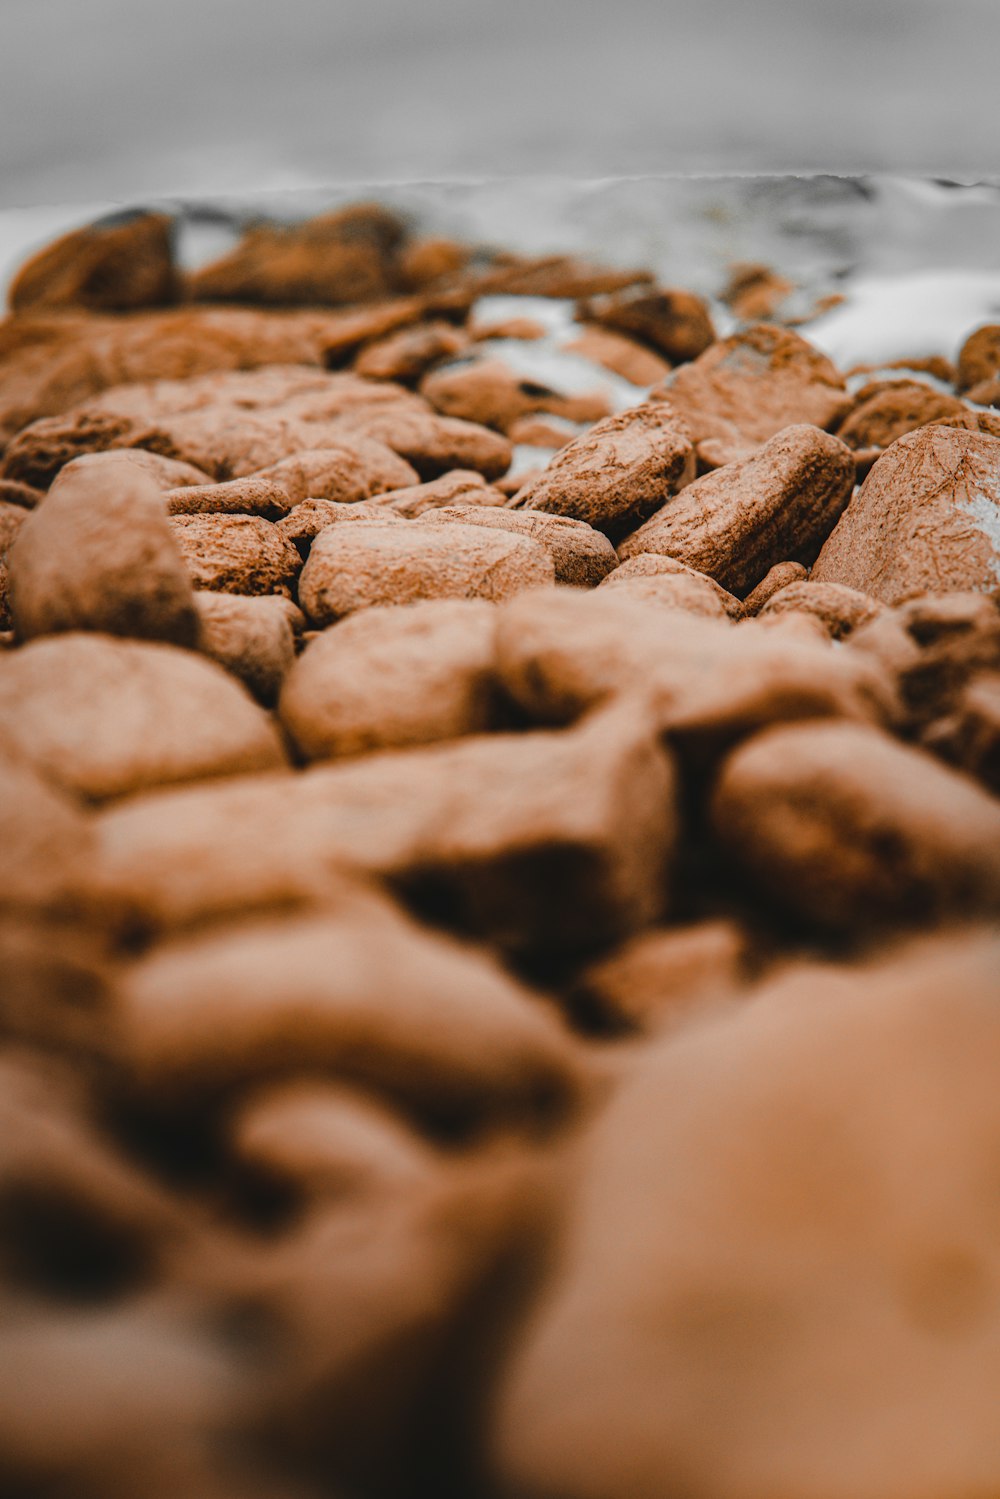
499 885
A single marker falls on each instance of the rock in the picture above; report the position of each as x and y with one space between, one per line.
562 651
106 267
619 472
979 357
931 648
169 473
12 518
46 843
345 256
98 555
251 637
23 495
884 411
104 717
841 610
487 391
560 276
235 553
542 432
350 471
354 567
777 577
756 292
675 581
461 486
677 324
745 389
970 735
434 444
526 328
410 352
579 553
766 1195
541 841
664 977
357 990
926 519
845 826
250 496
424 262
736 523
304 523
389 677
619 354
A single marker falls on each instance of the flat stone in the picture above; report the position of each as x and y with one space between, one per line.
235 553
579 554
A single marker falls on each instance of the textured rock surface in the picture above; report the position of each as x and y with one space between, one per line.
676 324
98 554
235 553
113 268
619 472
841 610
738 522
674 581
926 519
105 717
580 555
354 567
250 637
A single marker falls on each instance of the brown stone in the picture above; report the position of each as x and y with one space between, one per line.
345 256
12 518
986 393
98 555
487 391
433 444
389 677
619 472
354 567
105 717
777 577
542 432
561 276
460 486
410 352
849 828
46 842
674 581
347 472
24 495
110 267
621 355
169 473
235 553
545 840
745 389
579 553
304 523
756 292
766 1195
677 324
738 521
251 637
970 735
841 610
249 496
979 357
424 262
525 328
926 519
885 412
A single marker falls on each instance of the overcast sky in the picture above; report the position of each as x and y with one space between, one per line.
120 99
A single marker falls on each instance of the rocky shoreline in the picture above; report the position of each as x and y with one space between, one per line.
499 877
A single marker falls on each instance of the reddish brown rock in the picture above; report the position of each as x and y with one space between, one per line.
12 518
619 472
489 392
884 412
778 577
389 677
542 432
525 328
23 495
841 610
579 554
424 262
250 496
926 519
354 567
349 471
345 256
548 841
105 717
620 354
46 843
251 637
738 521
169 473
235 553
561 276
766 1195
675 581
461 486
98 554
846 826
109 267
433 444
756 292
677 324
304 523
979 357
745 389
970 735
411 352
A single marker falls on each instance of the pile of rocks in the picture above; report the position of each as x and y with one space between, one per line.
498 887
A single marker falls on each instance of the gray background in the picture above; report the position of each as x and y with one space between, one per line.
123 99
